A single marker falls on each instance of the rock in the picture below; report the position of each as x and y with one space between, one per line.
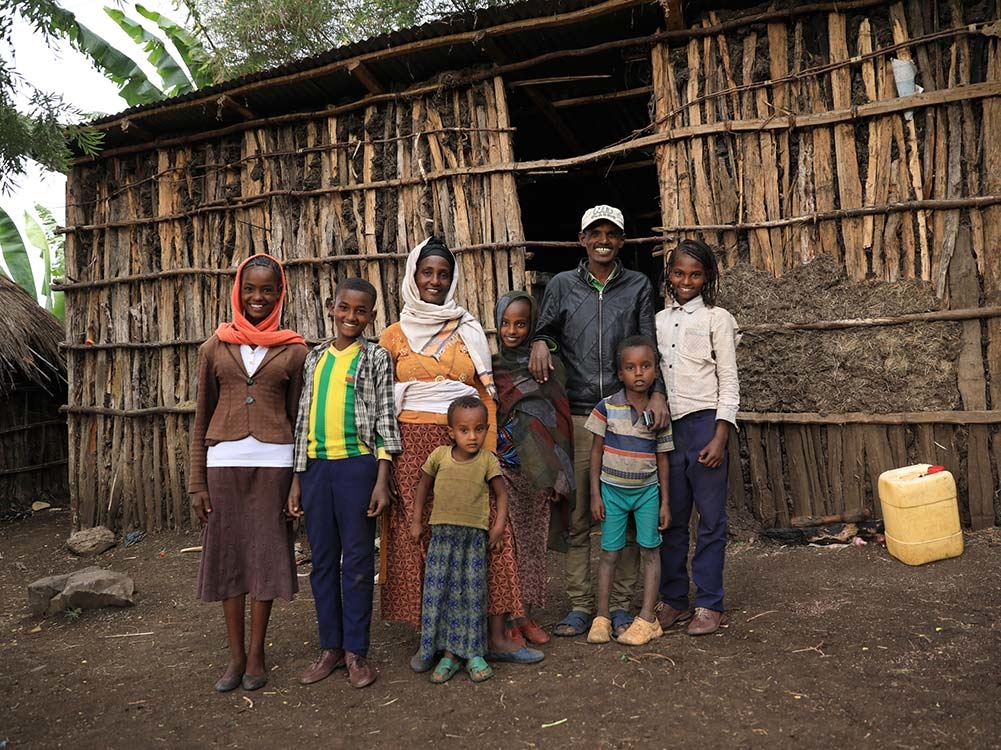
94 541
90 588
40 592
39 505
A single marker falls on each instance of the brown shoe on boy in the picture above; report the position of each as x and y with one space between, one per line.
360 672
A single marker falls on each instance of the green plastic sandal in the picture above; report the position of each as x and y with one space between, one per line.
479 670
445 670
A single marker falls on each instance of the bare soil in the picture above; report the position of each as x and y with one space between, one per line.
825 647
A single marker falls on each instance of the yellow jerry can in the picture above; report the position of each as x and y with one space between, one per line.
920 514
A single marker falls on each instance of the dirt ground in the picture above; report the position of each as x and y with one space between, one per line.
825 647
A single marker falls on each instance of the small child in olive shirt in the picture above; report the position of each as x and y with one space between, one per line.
454 609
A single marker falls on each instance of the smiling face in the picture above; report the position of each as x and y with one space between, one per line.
351 312
603 241
516 323
260 290
637 368
433 278
468 428
686 276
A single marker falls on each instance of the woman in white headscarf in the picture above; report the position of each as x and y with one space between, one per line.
439 353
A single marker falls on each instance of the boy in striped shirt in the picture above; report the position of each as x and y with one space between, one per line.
346 433
629 472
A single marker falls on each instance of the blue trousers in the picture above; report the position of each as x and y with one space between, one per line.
335 498
691 484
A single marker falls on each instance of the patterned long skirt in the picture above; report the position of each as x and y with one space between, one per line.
454 617
530 511
400 592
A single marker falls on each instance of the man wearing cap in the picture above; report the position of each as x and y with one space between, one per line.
585 314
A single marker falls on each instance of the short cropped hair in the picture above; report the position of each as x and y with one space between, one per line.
630 342
466 402
355 284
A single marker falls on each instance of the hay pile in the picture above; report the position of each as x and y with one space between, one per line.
876 369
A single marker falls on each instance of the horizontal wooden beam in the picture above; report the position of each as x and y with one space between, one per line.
967 313
849 418
556 79
612 96
33 468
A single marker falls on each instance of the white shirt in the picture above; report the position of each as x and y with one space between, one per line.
249 451
698 359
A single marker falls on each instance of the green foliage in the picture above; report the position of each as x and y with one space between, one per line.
175 79
15 255
72 614
42 234
133 85
201 64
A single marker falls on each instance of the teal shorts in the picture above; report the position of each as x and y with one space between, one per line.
643 503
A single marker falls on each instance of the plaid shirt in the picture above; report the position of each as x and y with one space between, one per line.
375 413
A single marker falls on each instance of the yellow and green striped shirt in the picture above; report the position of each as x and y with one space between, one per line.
332 431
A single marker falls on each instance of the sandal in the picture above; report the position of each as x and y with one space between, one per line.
574 624
445 670
621 620
479 670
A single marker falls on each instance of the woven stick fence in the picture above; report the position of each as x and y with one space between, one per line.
149 277
786 140
779 137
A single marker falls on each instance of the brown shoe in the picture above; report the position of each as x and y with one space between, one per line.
360 672
668 615
328 660
706 621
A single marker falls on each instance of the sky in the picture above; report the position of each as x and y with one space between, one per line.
63 70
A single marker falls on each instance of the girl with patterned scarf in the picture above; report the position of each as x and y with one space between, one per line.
535 448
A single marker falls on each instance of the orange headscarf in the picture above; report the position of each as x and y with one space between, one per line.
266 333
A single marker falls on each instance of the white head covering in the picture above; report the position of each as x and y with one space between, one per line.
422 322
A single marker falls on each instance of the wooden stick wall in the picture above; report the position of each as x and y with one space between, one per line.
208 206
750 186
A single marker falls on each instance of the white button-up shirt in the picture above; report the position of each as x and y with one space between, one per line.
698 359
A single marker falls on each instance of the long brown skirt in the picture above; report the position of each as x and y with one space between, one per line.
530 510
247 543
402 588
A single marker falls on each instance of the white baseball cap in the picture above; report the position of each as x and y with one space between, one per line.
602 213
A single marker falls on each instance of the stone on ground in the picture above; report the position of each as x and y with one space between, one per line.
88 542
90 588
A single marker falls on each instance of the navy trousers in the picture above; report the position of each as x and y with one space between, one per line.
335 498
691 484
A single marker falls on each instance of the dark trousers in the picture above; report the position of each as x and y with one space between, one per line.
691 484
335 498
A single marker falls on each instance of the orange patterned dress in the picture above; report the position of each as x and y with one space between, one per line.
422 432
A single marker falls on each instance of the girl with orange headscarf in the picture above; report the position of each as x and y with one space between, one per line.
249 379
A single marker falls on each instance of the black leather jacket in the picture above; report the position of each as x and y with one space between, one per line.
586 325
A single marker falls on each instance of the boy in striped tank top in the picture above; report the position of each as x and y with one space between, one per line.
629 473
346 433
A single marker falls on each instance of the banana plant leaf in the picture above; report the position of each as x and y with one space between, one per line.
175 79
15 255
133 85
198 60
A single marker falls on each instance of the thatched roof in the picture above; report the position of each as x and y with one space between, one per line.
29 342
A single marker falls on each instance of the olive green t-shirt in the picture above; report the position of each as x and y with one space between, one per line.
461 488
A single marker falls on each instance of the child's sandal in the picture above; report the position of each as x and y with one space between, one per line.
445 670
479 670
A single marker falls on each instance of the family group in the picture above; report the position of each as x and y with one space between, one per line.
594 409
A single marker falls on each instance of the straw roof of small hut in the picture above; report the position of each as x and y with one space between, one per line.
29 342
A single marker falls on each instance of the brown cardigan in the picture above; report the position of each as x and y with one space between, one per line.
231 405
